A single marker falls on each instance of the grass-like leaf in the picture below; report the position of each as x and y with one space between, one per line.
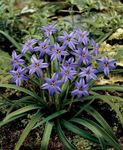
63 138
50 117
22 90
108 88
100 119
73 128
99 131
26 131
11 39
21 111
108 99
4 122
46 136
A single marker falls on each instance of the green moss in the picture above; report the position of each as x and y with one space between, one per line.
83 144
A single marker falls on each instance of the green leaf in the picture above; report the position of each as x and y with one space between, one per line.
46 136
25 100
4 122
119 54
22 90
100 119
21 111
99 131
108 99
11 40
50 117
78 131
63 138
26 131
108 88
83 107
103 37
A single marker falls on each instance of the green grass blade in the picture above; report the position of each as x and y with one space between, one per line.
4 122
46 136
103 37
108 99
26 131
94 127
50 117
11 39
63 138
21 111
108 88
100 119
102 143
83 107
21 89
73 128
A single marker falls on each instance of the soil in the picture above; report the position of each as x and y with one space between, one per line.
10 133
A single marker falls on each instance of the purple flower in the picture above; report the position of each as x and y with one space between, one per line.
68 39
19 75
43 47
89 73
95 47
83 55
70 63
58 51
81 89
48 30
106 64
67 73
52 85
82 36
28 46
16 60
36 66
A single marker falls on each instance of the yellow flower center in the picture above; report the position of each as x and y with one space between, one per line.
68 39
52 83
106 64
83 55
18 75
44 46
66 73
58 51
81 89
36 65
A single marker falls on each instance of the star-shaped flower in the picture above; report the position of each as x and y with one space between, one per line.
43 47
82 55
70 63
16 60
36 66
105 64
58 51
81 89
52 85
82 36
67 73
48 30
89 73
96 47
28 46
18 75
68 39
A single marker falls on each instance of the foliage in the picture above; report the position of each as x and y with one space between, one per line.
9 19
4 67
51 98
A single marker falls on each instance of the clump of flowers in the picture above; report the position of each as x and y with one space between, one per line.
69 57
54 73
